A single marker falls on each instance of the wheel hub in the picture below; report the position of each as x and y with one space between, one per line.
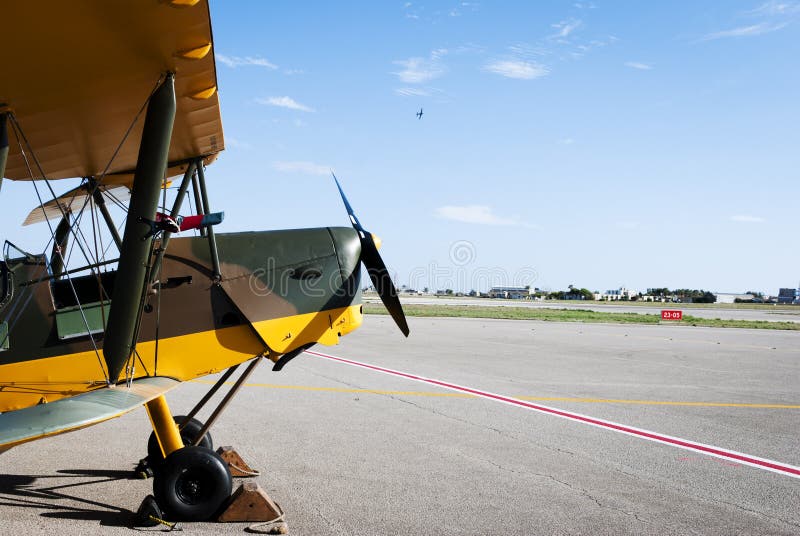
190 488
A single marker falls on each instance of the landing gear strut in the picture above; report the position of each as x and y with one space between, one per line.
191 482
189 430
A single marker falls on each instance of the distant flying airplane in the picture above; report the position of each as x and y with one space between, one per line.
419 114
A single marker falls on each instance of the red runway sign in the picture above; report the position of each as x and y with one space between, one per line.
671 314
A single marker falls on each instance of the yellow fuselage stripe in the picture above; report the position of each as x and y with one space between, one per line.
185 357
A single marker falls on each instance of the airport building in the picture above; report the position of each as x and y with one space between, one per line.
729 297
621 293
788 295
510 293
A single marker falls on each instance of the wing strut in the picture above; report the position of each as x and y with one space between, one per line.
60 242
176 209
151 165
99 200
212 241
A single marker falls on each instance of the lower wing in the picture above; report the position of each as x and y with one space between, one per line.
79 411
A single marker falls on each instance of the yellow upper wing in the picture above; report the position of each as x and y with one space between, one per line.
76 73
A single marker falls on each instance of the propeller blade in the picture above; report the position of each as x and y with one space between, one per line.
376 268
382 282
353 218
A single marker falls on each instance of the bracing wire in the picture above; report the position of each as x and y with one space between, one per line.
19 135
191 208
99 180
130 370
86 243
97 237
158 296
111 242
102 254
115 200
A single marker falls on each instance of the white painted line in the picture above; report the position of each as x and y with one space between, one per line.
709 450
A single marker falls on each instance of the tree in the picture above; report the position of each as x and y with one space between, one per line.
696 296
706 297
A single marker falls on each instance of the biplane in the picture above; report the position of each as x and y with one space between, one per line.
122 98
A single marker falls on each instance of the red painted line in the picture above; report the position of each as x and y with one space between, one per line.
710 450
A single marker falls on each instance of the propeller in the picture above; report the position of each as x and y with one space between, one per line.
376 268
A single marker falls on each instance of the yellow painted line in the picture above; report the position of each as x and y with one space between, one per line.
529 398
344 390
661 402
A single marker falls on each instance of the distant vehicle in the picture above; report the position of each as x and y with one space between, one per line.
419 114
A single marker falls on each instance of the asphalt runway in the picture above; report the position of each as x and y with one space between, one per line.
769 313
345 450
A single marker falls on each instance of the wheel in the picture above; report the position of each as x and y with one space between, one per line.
188 434
193 484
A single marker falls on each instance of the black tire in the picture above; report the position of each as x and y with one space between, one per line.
193 484
188 434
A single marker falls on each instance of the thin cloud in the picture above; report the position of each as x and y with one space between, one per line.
285 102
236 61
743 218
524 70
746 31
412 92
566 141
639 65
566 27
583 48
777 8
308 168
479 214
235 143
568 43
527 51
421 70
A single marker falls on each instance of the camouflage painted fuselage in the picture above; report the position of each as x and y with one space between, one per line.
280 290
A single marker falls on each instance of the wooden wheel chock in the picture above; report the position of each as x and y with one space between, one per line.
236 464
250 503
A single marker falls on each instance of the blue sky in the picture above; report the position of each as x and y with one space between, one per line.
599 144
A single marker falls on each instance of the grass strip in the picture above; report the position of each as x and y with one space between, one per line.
572 315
